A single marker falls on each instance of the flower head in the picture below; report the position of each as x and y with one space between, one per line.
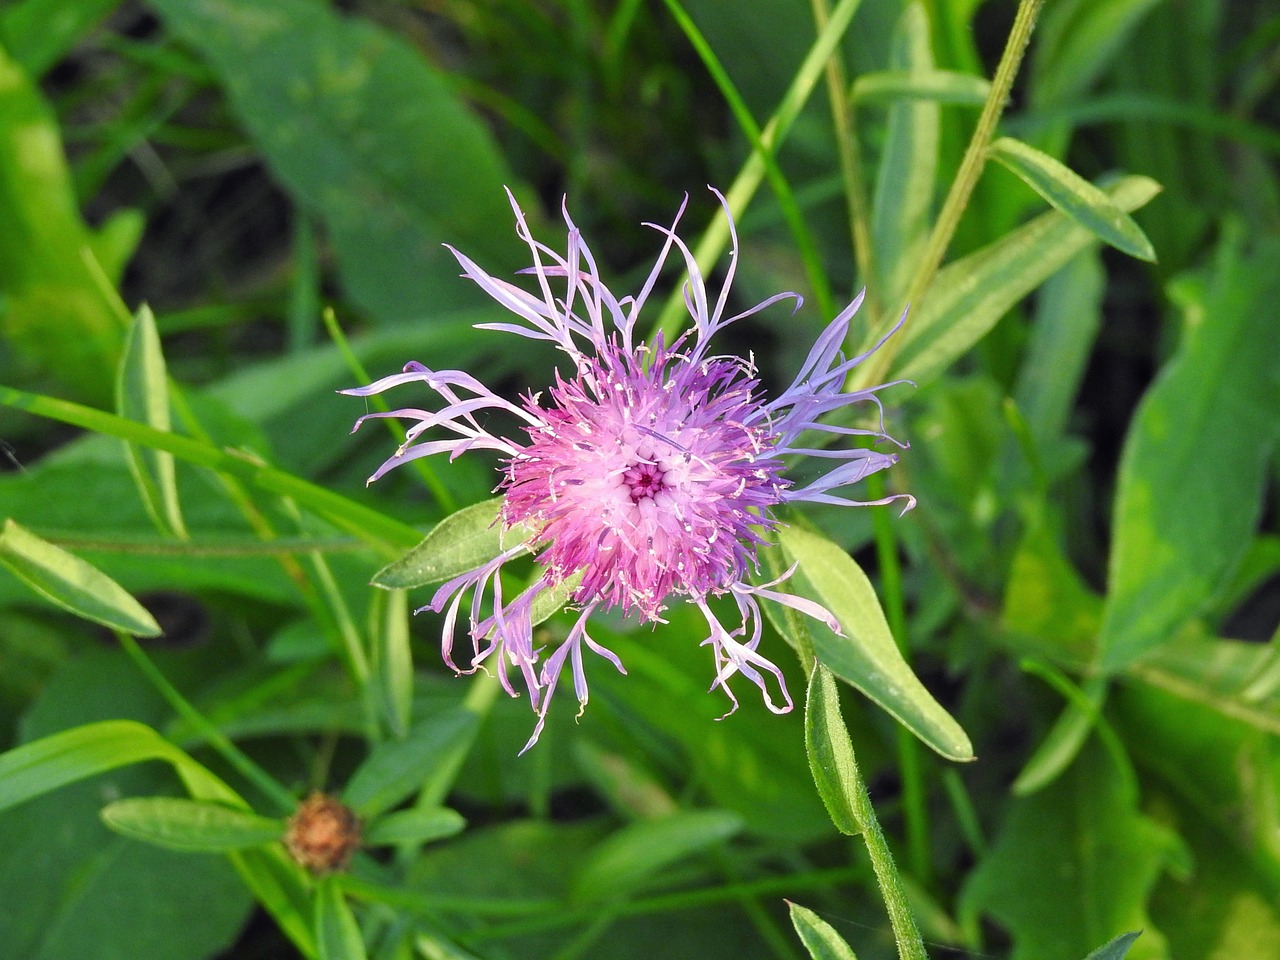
648 472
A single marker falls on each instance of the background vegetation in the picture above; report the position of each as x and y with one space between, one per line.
1089 585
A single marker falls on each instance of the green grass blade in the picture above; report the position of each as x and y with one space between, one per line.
940 86
380 531
903 203
337 933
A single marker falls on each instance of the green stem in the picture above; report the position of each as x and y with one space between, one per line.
910 761
771 138
975 157
910 946
782 189
855 186
201 725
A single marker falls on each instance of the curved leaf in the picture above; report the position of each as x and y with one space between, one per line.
818 936
72 583
190 825
867 655
1073 195
460 542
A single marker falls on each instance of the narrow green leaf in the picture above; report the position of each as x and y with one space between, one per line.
866 656
420 825
142 394
831 759
818 936
1064 740
114 242
1073 195
377 529
942 86
51 762
1194 466
393 662
1115 949
903 204
397 768
639 850
460 542
190 825
1068 316
969 296
72 583
337 933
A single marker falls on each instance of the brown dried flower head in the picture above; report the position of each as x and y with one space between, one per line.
322 834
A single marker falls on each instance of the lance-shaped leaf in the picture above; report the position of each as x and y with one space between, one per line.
336 931
818 936
969 296
866 656
190 825
72 583
142 394
1073 195
831 759
460 542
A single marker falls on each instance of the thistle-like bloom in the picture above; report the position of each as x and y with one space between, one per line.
647 472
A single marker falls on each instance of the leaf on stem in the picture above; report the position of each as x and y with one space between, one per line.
1075 196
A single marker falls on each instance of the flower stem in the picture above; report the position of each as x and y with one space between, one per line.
910 946
910 765
975 157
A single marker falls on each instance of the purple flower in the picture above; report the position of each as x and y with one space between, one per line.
646 472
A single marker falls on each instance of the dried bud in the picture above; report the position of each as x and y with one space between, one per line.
323 834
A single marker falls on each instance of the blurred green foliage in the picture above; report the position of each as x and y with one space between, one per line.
1089 587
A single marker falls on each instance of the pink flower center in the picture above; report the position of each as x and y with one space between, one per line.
644 481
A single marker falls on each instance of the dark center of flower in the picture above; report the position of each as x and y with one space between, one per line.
644 481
